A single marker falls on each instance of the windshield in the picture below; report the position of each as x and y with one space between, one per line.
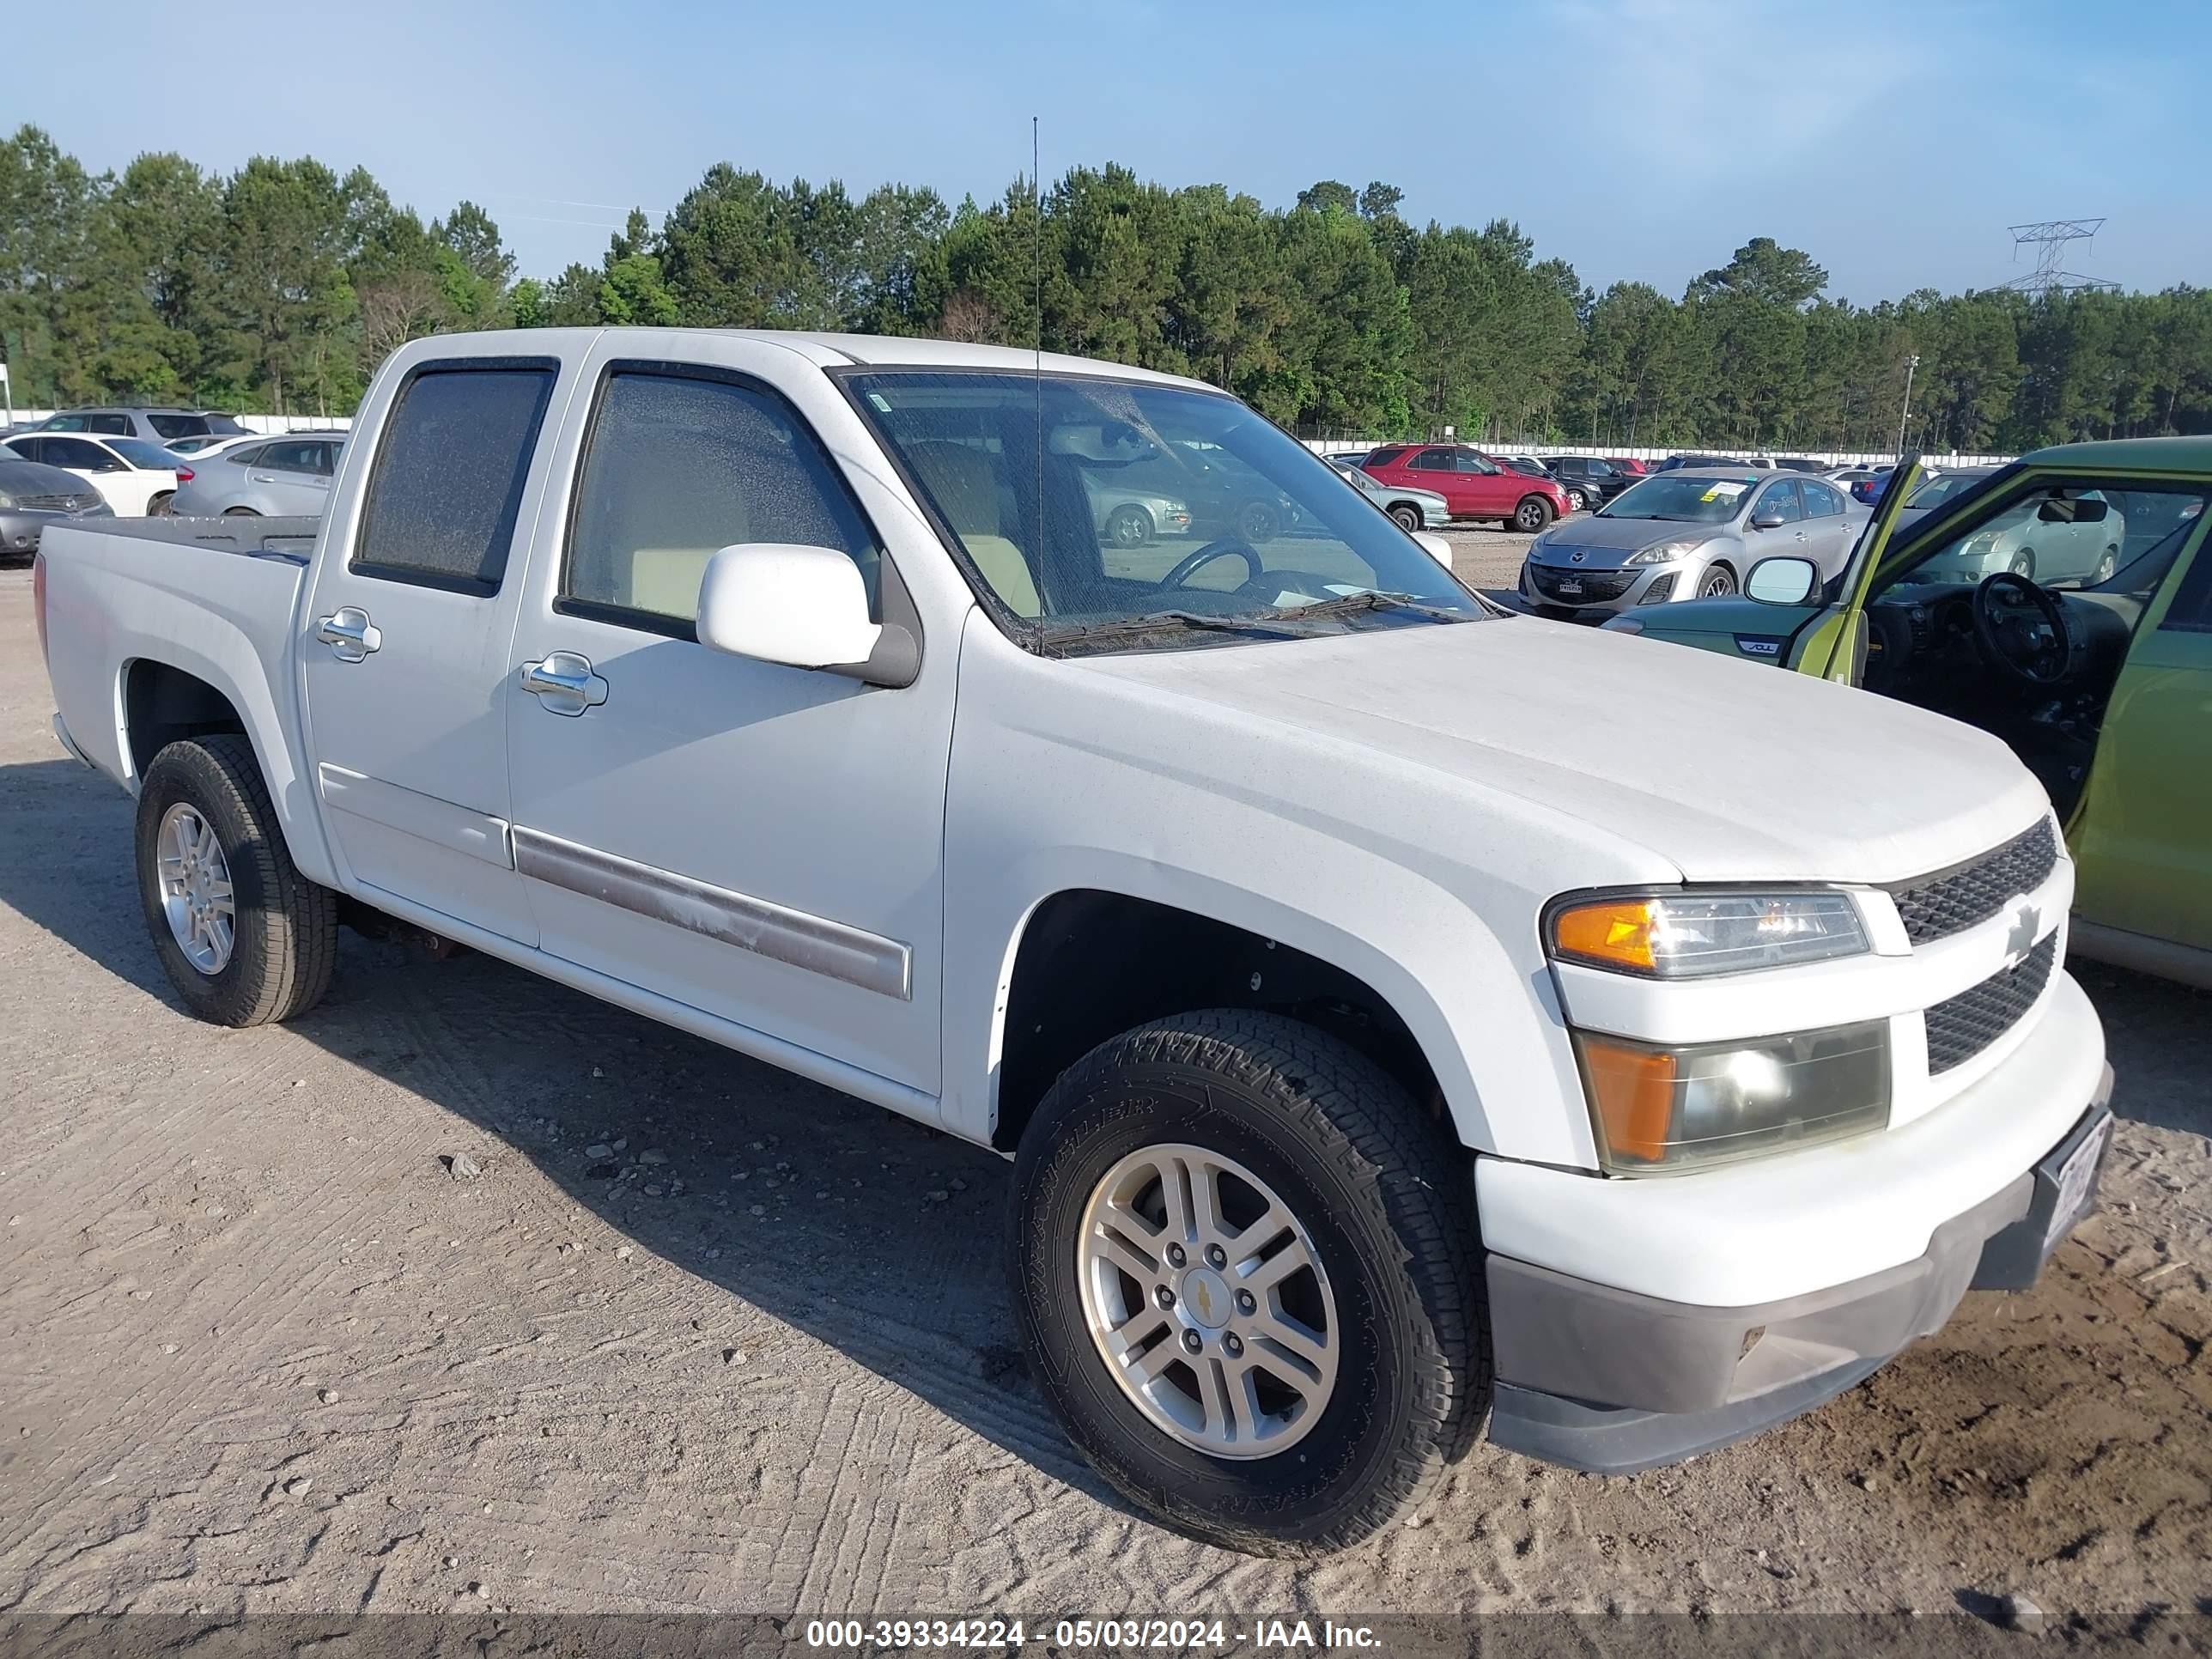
1685 500
142 454
1150 516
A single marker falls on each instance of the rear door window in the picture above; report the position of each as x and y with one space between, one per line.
179 425
1433 460
450 469
113 426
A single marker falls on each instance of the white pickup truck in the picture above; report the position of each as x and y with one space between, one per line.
1402 1015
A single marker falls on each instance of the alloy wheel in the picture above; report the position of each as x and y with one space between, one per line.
1208 1301
1717 584
196 890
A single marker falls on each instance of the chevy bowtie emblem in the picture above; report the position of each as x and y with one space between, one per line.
2026 923
1203 1296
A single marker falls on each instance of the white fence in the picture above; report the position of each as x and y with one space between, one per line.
250 422
1546 452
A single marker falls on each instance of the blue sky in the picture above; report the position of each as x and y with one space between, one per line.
1637 138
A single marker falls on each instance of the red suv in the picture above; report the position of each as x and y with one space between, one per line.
1472 484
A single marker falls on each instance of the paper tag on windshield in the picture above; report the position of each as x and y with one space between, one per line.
1728 486
1346 590
1287 598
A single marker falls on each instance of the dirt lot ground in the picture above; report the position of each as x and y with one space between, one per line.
701 1336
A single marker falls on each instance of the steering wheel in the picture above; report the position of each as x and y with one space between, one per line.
1224 547
2039 648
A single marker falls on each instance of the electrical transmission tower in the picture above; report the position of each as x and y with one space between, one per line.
2050 239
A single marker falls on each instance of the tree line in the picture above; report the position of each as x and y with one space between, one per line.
281 286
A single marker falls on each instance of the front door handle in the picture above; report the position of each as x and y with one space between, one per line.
349 633
564 684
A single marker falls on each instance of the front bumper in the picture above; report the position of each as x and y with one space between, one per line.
1596 1378
20 530
1571 589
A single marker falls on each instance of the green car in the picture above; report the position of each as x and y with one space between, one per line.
2064 604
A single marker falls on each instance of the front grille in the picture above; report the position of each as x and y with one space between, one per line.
1961 1027
1595 584
54 503
1937 906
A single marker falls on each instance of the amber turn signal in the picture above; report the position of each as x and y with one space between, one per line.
1616 932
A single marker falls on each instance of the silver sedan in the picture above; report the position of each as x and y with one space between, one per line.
1690 533
287 477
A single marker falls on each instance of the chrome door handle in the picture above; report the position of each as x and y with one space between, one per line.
564 682
349 633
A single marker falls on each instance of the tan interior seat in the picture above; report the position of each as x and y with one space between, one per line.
963 482
666 580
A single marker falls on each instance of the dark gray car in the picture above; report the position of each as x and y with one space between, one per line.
1688 533
33 495
158 426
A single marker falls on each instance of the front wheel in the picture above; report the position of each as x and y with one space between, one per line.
1408 518
240 512
1243 1269
1532 515
1719 582
1129 526
2106 566
1577 501
245 938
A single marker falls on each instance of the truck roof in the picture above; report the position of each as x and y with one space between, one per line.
831 351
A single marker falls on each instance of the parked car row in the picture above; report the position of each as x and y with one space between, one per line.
133 476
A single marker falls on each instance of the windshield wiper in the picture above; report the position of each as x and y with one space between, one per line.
1373 599
1155 622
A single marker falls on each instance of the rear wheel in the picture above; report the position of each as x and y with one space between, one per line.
1408 518
1243 1270
1532 515
245 938
162 506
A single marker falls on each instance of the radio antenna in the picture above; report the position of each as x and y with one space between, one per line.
1036 356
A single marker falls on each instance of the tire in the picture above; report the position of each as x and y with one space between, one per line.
1532 515
283 927
162 506
1257 522
1409 517
1577 501
1716 583
1129 526
240 512
1384 1198
2023 563
2106 566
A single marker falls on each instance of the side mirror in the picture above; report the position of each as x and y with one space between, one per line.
1769 521
805 607
1782 582
2056 511
1435 546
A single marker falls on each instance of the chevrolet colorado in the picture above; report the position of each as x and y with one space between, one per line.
1391 1033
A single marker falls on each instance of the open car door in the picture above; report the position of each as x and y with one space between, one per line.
1834 645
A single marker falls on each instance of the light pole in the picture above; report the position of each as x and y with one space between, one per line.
1905 408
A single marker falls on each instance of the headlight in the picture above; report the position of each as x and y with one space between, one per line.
6 502
1663 1109
1665 553
1979 546
1689 935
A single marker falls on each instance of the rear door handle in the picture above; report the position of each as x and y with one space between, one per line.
263 478
350 634
564 682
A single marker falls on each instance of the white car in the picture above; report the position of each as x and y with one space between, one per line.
1387 1038
133 477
